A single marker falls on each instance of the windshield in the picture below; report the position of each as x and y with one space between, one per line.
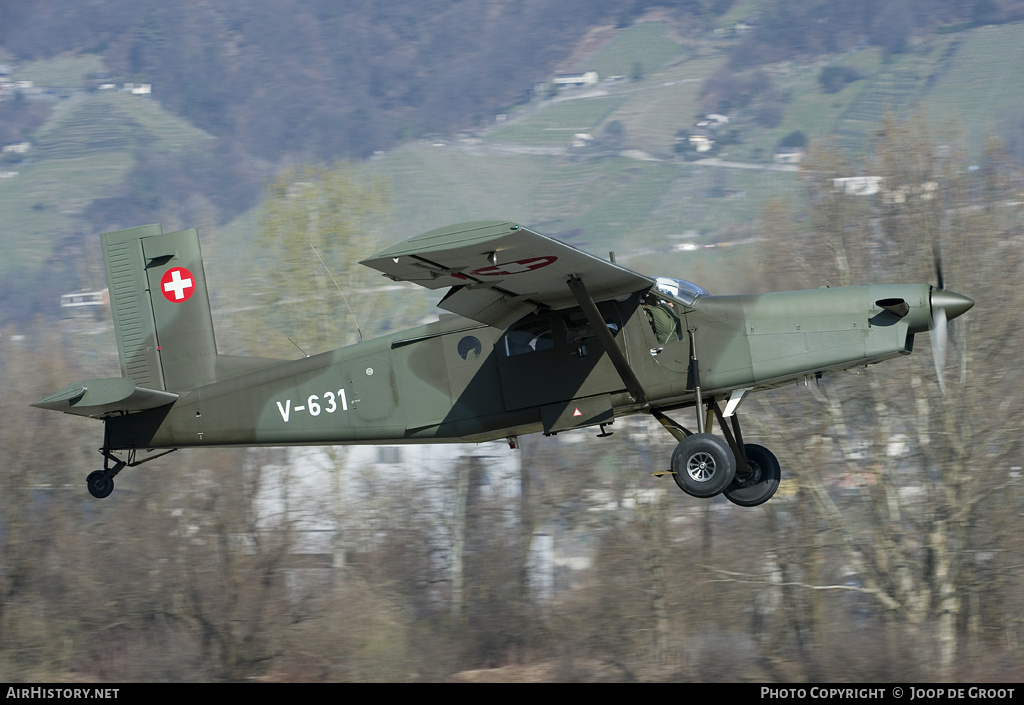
685 291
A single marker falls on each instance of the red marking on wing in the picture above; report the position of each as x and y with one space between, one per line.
517 267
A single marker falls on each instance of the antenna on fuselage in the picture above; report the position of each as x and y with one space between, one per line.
343 297
297 345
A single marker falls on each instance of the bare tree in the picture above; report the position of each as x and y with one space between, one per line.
317 223
909 479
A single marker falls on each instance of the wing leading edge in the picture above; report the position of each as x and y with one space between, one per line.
499 272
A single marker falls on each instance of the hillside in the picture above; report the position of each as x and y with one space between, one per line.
84 153
317 79
629 190
104 160
631 193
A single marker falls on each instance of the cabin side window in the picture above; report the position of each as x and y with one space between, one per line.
579 333
578 329
527 337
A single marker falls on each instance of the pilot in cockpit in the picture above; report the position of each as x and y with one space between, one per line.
662 317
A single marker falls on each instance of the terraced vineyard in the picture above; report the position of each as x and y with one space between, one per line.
890 92
982 86
82 153
111 121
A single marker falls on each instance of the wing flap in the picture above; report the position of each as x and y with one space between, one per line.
487 305
501 271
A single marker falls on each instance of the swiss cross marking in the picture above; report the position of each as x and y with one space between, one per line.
177 284
517 267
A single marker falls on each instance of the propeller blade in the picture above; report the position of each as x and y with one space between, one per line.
946 305
939 338
938 267
962 337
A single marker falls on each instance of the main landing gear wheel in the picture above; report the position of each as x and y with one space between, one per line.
703 465
99 484
761 480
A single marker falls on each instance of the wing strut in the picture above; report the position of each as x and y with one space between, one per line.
604 336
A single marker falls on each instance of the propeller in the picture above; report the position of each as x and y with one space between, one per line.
939 339
940 325
946 305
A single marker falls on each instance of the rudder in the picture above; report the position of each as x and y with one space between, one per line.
161 307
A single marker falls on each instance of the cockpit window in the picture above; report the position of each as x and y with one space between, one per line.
685 291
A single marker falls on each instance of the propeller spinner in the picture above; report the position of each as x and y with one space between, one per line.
945 306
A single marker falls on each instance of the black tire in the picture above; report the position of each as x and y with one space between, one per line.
99 484
703 465
762 480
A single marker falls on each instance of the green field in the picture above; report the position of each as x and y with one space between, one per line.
64 73
667 100
43 202
615 203
645 46
982 85
557 122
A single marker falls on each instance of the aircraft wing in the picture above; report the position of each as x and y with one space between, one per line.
499 272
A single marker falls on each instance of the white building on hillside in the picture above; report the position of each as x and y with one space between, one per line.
577 80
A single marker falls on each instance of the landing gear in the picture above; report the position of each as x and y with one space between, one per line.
703 465
759 483
101 482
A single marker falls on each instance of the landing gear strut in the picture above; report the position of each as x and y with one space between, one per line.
704 465
101 482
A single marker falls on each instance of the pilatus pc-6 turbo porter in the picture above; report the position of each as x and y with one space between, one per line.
544 337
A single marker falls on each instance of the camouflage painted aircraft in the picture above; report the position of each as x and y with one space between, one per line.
544 338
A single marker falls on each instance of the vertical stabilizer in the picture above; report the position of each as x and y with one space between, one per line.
161 307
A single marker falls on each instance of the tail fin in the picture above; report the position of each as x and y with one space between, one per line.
161 307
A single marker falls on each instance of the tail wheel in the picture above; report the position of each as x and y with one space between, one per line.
761 480
703 465
99 484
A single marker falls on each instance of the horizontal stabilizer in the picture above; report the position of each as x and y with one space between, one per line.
102 397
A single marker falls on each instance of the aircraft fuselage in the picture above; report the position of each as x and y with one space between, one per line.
458 380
